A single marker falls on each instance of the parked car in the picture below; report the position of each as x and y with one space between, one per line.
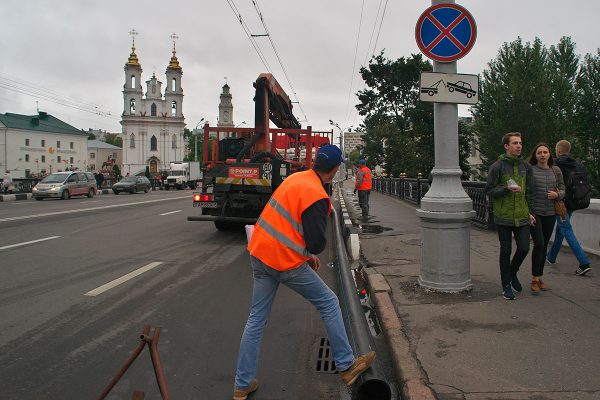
132 184
65 184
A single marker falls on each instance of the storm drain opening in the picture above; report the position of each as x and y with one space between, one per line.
325 362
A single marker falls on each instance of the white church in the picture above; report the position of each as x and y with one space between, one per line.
152 123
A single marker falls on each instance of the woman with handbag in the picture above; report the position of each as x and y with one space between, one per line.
549 190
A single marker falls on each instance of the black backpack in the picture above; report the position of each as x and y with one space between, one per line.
578 189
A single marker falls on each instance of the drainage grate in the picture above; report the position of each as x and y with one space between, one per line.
325 362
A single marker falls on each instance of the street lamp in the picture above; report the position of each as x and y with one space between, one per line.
196 140
240 124
341 135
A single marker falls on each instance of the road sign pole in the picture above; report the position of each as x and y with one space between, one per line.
446 210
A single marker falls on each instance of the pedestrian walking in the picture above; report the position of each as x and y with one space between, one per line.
548 189
159 181
577 197
509 183
363 184
289 232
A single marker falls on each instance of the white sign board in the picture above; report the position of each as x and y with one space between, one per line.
436 87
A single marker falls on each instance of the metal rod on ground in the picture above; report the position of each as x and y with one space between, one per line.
371 384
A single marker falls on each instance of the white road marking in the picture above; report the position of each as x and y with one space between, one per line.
26 243
171 212
123 279
88 209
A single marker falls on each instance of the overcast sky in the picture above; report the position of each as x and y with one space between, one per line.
75 50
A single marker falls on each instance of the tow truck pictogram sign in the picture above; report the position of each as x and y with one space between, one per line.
436 87
445 32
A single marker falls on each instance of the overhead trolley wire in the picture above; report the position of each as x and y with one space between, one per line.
30 89
264 24
354 63
248 33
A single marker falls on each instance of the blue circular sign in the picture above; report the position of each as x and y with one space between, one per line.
445 32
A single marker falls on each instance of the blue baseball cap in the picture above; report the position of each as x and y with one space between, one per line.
362 162
328 156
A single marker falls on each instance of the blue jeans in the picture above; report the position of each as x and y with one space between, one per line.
565 230
304 281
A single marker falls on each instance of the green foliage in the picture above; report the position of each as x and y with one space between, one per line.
114 139
117 171
587 114
91 136
398 128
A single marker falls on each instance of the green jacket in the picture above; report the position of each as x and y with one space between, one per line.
510 208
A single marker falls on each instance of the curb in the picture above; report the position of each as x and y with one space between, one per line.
13 197
410 377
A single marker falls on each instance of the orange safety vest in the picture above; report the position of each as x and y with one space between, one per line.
278 238
363 179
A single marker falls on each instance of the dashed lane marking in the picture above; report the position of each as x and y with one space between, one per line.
10 246
171 212
123 279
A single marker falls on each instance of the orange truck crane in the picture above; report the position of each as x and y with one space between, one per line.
243 166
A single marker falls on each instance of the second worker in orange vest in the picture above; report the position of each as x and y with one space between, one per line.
363 185
289 232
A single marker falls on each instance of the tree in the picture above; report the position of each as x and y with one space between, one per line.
587 138
91 136
114 139
514 97
398 128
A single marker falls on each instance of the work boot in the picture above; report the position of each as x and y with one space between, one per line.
242 394
535 284
361 364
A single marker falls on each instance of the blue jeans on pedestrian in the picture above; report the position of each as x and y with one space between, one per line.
565 230
306 282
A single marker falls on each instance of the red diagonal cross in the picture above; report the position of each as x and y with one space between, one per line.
445 32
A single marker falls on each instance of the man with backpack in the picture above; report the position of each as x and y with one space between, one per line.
577 197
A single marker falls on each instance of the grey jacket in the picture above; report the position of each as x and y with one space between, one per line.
544 181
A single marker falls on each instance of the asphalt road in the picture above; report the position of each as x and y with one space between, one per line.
64 334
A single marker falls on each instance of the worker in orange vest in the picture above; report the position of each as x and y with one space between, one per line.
363 185
289 233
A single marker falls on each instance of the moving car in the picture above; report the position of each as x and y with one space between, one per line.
65 184
132 184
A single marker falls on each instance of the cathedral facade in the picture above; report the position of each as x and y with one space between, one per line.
152 122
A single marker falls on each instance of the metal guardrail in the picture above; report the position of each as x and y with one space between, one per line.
414 189
370 384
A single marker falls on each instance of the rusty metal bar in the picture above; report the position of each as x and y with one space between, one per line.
127 364
152 342
158 371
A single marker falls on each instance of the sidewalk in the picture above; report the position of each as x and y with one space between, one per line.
476 345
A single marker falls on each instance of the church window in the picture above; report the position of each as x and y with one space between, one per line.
26 142
226 116
43 158
26 157
132 141
174 142
132 106
174 84
173 108
153 143
92 155
153 89
133 81
153 110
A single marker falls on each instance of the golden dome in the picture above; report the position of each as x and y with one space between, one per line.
174 64
133 60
